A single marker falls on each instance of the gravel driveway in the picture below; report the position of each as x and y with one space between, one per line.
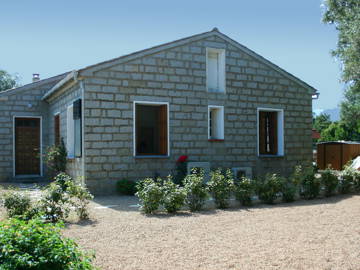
319 234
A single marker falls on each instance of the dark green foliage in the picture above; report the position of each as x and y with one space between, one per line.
268 188
181 169
330 181
196 193
7 81
56 158
126 187
37 245
220 187
309 185
321 122
150 194
244 190
16 203
288 190
173 196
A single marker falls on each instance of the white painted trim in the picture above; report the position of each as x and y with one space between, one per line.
222 122
71 156
56 113
280 126
222 70
41 142
154 103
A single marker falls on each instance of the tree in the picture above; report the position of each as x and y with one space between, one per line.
345 15
321 122
7 81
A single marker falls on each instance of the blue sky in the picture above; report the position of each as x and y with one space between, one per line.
49 37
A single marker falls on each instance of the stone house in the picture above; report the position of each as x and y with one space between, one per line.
205 96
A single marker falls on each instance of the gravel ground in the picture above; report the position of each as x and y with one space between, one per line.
319 234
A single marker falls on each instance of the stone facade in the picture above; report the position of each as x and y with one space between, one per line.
178 76
174 73
23 101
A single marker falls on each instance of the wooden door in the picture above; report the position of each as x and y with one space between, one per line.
27 146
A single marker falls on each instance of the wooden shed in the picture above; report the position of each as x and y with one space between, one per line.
337 154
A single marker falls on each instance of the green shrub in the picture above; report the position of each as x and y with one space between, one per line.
269 188
150 194
37 245
126 187
195 189
61 195
56 158
221 186
347 180
330 181
181 169
243 191
309 185
288 190
16 203
173 196
357 181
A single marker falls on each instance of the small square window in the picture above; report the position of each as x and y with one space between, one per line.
215 70
216 123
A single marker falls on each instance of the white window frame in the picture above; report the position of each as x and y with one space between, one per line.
70 132
151 103
41 142
280 131
220 125
222 63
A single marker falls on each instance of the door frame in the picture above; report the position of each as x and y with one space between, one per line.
41 144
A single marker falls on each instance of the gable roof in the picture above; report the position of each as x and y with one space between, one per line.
34 84
89 70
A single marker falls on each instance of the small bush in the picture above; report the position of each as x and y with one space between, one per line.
195 189
150 194
56 158
347 180
288 190
181 169
173 196
243 190
330 181
37 245
220 187
269 188
126 187
356 183
16 203
79 198
309 185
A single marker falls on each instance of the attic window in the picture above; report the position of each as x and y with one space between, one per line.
215 70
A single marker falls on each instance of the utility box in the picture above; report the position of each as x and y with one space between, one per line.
336 154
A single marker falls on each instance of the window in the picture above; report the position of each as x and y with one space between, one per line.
151 129
270 132
215 70
216 123
74 130
57 129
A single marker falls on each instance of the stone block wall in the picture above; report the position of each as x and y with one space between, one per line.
178 76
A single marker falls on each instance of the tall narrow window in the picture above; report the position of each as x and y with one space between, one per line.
270 132
151 129
77 128
70 132
215 70
216 122
57 129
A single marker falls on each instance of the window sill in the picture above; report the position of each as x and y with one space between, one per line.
152 156
216 91
271 156
70 157
215 140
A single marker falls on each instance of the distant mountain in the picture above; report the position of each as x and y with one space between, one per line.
334 114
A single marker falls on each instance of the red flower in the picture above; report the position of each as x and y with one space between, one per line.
182 159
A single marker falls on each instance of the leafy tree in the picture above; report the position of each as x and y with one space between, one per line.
335 132
345 15
7 81
321 122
